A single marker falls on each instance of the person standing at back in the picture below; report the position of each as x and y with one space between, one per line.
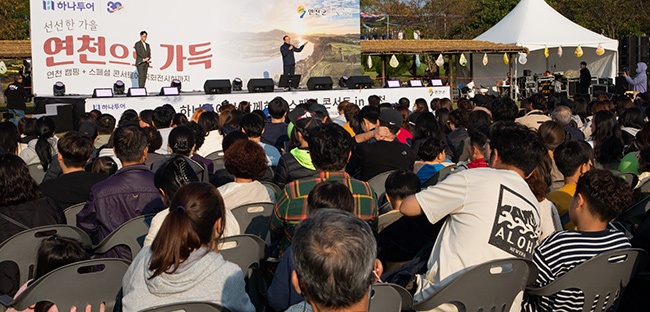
585 79
16 97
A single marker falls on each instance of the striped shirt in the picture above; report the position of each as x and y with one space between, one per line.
291 206
563 251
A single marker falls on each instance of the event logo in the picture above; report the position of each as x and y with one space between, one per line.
48 5
313 11
51 5
301 10
515 228
114 6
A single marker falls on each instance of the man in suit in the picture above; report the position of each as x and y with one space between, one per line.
142 58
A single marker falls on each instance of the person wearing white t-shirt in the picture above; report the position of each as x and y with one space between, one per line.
493 213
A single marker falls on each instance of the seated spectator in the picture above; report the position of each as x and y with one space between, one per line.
631 121
169 178
432 153
9 138
330 194
74 185
230 121
404 135
384 154
42 149
179 119
538 181
129 118
399 185
53 253
318 257
350 111
553 135
478 138
563 116
454 139
644 166
253 126
146 120
162 120
536 112
297 163
599 198
181 264
181 142
426 126
320 111
22 206
154 142
104 165
199 140
573 159
105 127
340 119
329 147
471 202
209 122
275 132
129 193
606 140
503 109
419 107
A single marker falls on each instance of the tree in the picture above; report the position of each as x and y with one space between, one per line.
14 20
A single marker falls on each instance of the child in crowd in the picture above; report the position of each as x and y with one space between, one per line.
599 197
573 158
478 138
432 153
330 194
399 185
104 164
54 252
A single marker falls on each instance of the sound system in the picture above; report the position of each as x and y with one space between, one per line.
217 86
289 81
260 85
320 83
359 82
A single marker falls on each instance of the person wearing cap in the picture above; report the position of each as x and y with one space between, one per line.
321 112
74 185
297 164
385 152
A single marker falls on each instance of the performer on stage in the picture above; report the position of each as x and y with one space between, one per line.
287 49
585 78
142 58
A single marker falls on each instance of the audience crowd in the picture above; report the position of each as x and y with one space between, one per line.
413 194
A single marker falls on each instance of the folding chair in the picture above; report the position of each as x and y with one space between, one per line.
37 173
378 183
217 159
438 176
272 186
89 282
601 279
491 286
71 213
130 234
188 307
254 219
244 250
386 297
22 248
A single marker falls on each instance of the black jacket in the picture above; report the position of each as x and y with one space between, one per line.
16 96
287 55
289 169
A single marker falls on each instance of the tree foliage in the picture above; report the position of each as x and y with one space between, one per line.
14 20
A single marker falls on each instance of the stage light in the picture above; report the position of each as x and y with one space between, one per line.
118 87
58 89
176 83
237 84
343 82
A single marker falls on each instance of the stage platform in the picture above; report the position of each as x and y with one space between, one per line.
187 102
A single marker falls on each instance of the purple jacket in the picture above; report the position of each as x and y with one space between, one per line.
128 193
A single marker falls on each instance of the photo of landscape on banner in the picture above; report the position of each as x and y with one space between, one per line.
90 44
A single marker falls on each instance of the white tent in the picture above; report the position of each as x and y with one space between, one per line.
535 24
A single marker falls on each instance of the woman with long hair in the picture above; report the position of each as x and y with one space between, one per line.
209 122
181 142
181 264
43 148
426 126
9 138
607 140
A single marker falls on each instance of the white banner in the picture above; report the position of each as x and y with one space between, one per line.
187 103
90 44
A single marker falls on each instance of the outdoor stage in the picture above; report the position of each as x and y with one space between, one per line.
186 103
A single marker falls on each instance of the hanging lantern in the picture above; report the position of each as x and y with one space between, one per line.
393 61
523 59
559 51
440 60
369 63
546 52
3 68
600 50
485 59
505 58
578 52
462 61
417 60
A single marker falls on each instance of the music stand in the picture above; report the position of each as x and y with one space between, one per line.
291 82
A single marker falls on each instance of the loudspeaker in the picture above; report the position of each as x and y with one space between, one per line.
260 85
621 85
359 82
320 83
217 86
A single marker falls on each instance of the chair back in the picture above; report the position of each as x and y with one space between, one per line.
88 282
378 183
614 271
254 219
22 248
37 173
243 250
272 186
188 307
130 234
71 213
386 297
217 159
438 176
490 286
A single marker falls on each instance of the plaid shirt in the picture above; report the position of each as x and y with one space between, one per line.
291 207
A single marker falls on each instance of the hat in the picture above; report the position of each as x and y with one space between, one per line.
391 118
295 113
307 121
207 107
319 108
88 129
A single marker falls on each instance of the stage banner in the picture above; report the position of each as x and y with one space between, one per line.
90 44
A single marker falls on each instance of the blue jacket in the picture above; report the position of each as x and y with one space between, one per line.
127 194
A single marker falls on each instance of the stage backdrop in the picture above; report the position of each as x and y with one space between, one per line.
89 44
